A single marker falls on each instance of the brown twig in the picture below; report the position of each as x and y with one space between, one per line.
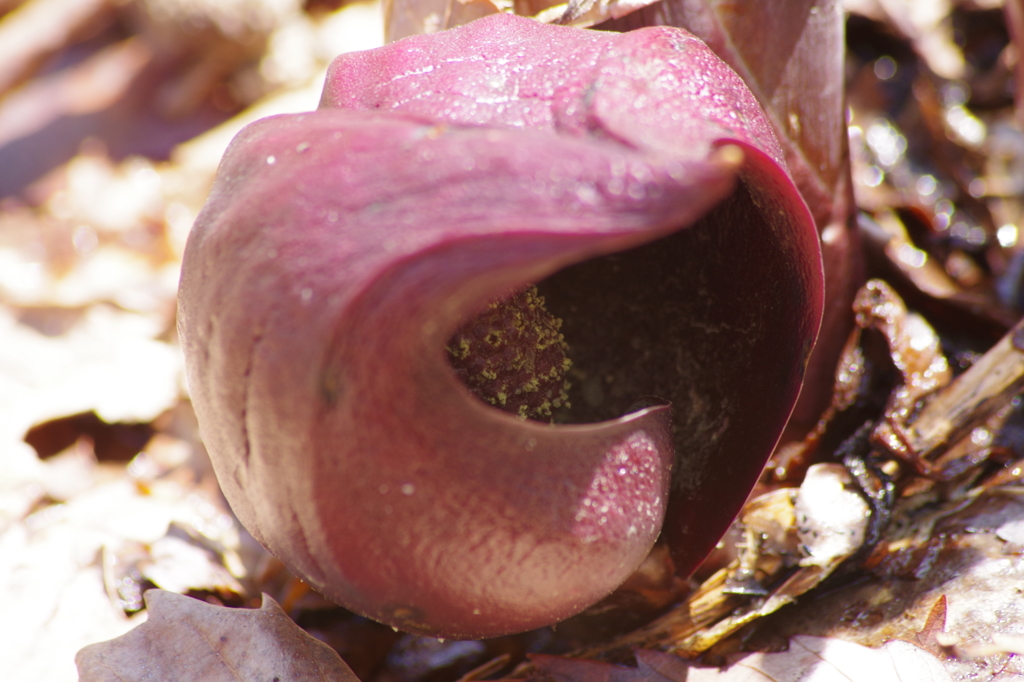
707 605
971 398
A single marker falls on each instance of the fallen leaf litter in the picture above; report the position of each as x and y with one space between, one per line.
947 562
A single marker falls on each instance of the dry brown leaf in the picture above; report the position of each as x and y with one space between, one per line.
186 639
914 347
915 351
934 626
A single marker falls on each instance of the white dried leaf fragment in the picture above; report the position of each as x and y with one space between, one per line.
831 515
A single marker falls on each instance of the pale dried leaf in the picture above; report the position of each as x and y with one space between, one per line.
1012 532
108 362
52 554
186 639
821 659
809 659
53 602
944 555
180 561
831 516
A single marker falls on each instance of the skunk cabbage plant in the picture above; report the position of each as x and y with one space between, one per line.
515 300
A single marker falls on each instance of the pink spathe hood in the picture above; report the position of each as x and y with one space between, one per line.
340 249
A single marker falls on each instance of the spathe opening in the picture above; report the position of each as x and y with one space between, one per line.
710 319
